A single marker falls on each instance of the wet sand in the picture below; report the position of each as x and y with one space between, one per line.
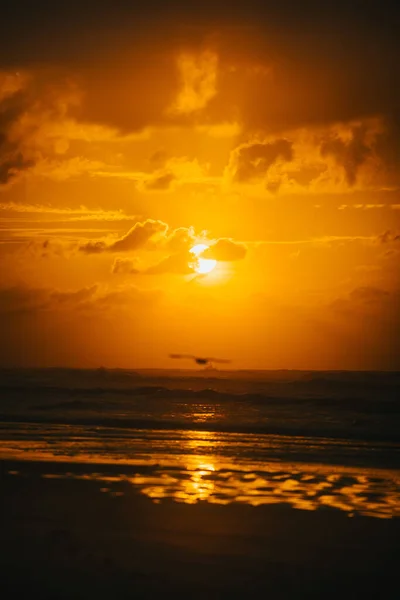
64 537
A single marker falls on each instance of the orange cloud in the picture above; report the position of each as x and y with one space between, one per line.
177 244
198 75
335 158
388 237
226 249
136 238
22 299
252 161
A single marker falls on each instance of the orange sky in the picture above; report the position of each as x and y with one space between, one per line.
275 142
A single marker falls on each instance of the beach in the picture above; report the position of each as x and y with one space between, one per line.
66 538
130 485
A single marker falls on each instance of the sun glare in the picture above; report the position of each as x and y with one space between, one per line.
202 265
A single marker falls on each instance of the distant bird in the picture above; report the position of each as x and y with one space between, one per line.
201 360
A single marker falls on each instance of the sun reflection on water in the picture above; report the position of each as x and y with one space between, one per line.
206 466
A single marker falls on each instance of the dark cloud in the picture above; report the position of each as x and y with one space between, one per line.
252 161
30 31
175 264
94 247
281 66
124 266
349 154
139 235
226 249
388 237
124 298
159 182
319 65
12 159
33 110
362 300
13 166
136 238
21 299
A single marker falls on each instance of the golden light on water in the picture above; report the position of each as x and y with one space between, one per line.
202 265
201 472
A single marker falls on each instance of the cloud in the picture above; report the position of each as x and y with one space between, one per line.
180 262
67 168
175 264
45 212
96 247
226 249
125 266
123 298
366 300
252 161
24 299
279 66
335 158
39 128
137 237
178 242
198 75
150 235
176 171
33 126
174 243
46 113
182 238
388 237
13 104
159 182
350 153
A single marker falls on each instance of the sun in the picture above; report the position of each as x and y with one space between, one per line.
202 265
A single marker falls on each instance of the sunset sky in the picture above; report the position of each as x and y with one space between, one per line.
269 133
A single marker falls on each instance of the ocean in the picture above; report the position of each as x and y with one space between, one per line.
312 440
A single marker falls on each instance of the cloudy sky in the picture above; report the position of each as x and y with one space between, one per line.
270 134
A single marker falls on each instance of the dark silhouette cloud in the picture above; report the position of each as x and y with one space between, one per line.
139 235
349 154
136 238
252 161
12 159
